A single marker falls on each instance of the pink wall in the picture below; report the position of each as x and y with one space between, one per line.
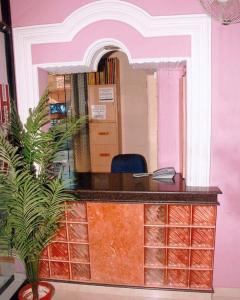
168 118
225 155
136 43
33 12
42 80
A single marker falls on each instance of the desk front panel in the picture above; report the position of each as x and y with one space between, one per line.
145 245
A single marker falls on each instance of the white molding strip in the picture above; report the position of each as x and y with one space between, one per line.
198 66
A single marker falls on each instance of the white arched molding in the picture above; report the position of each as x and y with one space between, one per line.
198 65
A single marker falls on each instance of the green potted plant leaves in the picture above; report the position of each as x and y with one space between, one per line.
32 196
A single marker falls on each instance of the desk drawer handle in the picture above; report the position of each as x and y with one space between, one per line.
103 133
104 154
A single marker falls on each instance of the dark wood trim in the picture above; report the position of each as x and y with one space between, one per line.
6 28
190 290
6 12
124 188
146 197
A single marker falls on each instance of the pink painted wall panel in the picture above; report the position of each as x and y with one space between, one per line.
225 153
34 12
168 118
135 42
43 80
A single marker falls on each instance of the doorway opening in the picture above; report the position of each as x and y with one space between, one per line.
127 120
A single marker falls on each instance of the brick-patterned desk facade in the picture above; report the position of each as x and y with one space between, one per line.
67 256
176 245
179 246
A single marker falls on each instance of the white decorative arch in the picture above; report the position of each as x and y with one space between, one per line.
198 69
97 49
90 61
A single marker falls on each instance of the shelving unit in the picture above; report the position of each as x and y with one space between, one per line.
179 246
67 256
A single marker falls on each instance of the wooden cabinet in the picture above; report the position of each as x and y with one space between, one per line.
104 128
101 157
104 133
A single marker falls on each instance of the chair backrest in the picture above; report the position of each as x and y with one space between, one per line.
128 163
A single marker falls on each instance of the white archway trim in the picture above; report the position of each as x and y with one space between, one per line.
96 50
198 68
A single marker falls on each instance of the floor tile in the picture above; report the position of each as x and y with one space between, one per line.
90 292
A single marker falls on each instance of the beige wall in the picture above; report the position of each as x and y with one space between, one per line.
134 108
152 121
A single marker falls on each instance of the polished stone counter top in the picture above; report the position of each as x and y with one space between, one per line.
123 187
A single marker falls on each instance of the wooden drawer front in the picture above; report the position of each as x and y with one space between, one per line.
104 133
101 157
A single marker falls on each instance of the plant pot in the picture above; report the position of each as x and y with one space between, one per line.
45 290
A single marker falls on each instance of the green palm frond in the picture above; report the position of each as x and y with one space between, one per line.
53 141
54 198
33 135
9 153
15 127
32 204
67 129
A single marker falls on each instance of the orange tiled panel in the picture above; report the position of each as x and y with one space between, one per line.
204 215
77 212
155 214
116 243
201 279
79 253
202 259
155 277
155 257
179 214
44 269
59 270
80 271
58 251
154 236
44 254
177 278
77 232
178 258
203 237
178 237
61 234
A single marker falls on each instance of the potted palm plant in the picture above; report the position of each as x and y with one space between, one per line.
32 196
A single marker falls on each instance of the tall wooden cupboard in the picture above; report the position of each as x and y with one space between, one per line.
104 125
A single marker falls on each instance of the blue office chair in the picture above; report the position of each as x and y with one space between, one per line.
128 163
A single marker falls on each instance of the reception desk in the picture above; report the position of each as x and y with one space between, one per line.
139 232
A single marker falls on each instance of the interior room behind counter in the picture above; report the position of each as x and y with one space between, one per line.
124 114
